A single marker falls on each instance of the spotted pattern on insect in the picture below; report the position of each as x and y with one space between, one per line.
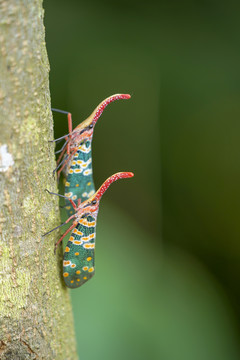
77 165
79 254
79 184
79 262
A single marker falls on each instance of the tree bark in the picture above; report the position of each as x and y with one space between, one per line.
35 312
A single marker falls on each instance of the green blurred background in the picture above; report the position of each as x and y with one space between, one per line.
168 250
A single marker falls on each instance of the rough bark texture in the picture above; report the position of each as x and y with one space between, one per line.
35 311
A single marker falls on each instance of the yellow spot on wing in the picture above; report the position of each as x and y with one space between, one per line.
76 253
66 263
91 269
85 268
68 194
78 272
89 258
89 183
77 242
91 193
87 172
65 274
85 278
67 249
85 238
83 221
89 246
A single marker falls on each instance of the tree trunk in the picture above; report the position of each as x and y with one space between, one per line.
36 316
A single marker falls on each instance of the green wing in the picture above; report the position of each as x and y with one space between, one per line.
79 255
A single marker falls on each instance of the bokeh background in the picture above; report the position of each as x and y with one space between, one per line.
168 240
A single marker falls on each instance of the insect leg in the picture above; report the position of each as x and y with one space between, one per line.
52 193
65 222
65 197
63 236
63 166
58 166
58 139
57 152
69 125
53 229
60 111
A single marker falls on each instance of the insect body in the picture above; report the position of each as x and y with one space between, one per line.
78 258
79 183
77 162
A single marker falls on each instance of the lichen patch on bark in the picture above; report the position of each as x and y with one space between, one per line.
6 159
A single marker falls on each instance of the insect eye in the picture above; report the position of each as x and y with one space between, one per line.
94 202
90 126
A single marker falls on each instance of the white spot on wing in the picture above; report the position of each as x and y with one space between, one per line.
6 159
